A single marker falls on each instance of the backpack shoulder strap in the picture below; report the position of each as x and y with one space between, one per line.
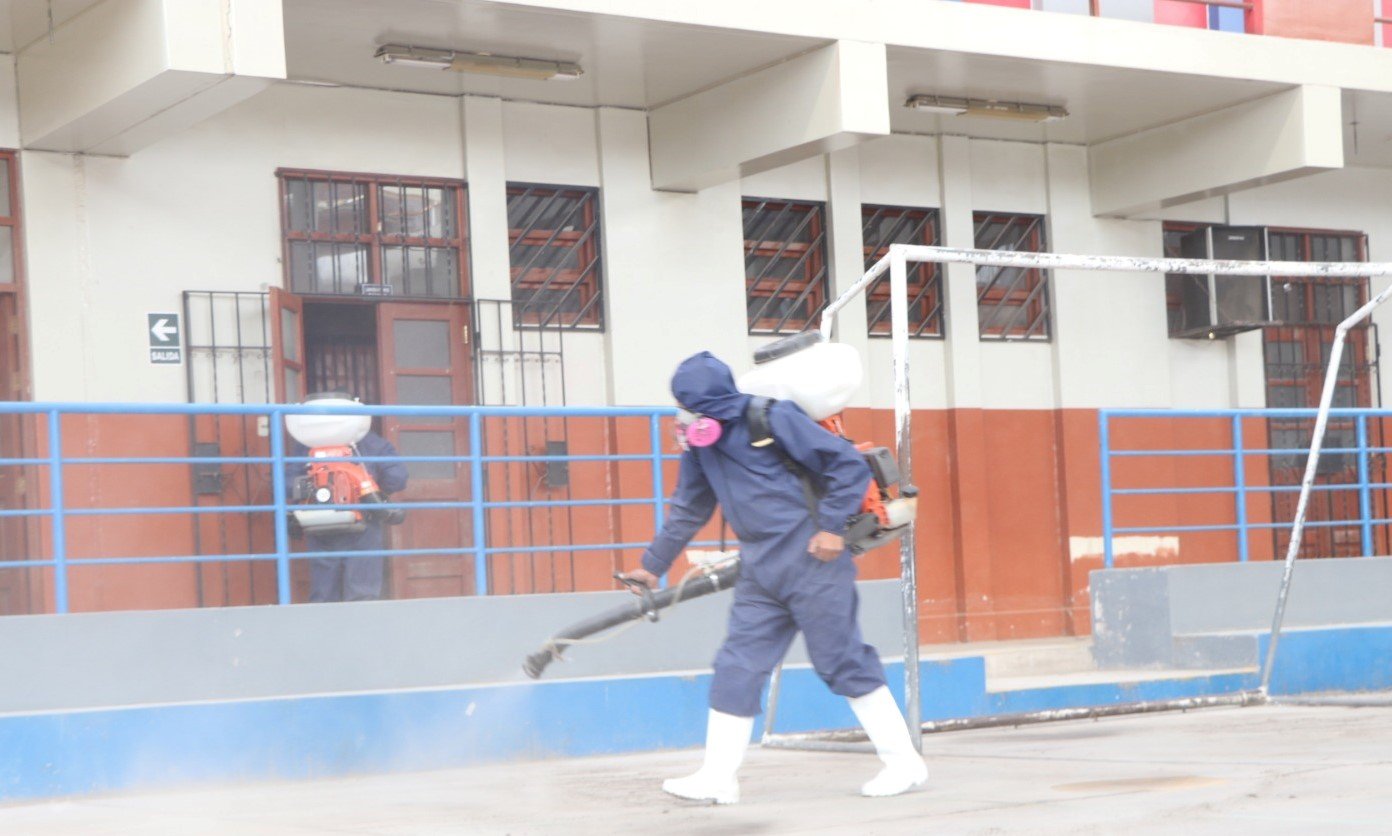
756 418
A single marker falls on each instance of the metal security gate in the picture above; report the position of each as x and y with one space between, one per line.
229 345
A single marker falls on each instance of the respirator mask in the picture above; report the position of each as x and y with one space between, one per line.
695 430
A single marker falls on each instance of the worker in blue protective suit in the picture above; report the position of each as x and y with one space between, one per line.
796 573
353 578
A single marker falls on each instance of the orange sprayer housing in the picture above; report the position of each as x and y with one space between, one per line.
348 483
875 494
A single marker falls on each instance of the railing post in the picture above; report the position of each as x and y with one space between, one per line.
1240 483
1104 443
476 494
276 422
55 502
655 441
1365 493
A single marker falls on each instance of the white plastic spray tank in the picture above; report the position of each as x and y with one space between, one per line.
328 430
821 377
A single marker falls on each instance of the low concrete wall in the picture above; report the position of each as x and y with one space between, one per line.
145 748
1209 615
53 662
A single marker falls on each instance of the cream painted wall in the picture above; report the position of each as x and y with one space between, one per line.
1008 177
550 144
111 239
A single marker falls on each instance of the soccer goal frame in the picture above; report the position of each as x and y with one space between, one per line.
896 264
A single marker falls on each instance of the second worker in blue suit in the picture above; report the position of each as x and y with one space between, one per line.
796 573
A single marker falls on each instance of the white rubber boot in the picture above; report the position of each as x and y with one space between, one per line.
727 736
904 768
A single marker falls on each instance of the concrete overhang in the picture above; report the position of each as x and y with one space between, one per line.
1279 137
822 101
122 74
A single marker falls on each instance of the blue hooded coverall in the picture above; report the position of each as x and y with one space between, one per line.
781 588
353 578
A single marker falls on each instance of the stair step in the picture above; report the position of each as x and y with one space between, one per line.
1022 657
1110 677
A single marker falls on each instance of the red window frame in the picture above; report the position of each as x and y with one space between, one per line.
801 266
1031 295
924 279
583 280
373 238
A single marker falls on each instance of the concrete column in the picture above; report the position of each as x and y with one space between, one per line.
971 521
673 269
489 268
846 237
485 172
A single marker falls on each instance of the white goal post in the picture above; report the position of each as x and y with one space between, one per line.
896 264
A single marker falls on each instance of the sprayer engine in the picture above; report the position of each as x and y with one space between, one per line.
333 482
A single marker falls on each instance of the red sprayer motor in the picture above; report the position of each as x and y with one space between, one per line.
331 480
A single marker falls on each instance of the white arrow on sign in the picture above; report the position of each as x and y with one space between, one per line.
163 330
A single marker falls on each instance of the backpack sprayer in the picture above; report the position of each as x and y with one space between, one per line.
334 481
820 377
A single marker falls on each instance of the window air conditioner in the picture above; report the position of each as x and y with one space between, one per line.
1215 306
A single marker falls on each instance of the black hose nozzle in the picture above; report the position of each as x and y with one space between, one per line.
534 664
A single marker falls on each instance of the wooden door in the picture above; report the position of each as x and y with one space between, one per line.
425 362
286 315
19 588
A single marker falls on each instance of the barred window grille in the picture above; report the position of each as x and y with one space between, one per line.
885 225
553 248
1012 302
785 264
357 234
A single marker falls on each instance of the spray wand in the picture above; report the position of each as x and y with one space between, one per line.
710 573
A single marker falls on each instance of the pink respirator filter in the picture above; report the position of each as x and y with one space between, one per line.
703 432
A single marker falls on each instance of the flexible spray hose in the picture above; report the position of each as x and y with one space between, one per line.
697 583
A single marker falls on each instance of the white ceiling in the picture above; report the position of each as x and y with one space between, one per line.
24 21
627 62
639 63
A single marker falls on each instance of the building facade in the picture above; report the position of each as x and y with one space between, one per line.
317 217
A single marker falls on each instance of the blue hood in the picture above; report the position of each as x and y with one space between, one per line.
704 384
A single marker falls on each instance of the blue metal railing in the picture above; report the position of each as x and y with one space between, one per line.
60 510
1239 489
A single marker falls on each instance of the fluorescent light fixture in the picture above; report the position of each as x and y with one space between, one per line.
483 63
949 105
988 108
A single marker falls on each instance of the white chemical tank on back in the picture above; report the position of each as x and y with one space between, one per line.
820 377
328 430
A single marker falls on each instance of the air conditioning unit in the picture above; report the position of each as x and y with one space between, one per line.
1215 306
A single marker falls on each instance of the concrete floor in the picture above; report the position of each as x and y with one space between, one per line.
1280 769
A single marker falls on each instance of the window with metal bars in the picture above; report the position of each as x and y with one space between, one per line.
1012 303
553 248
885 225
365 234
785 264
